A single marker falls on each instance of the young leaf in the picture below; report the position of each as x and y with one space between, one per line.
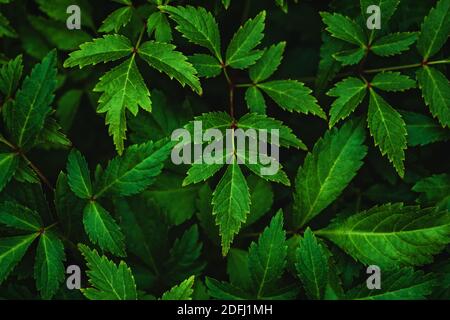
198 26
435 30
158 22
8 166
344 28
326 171
255 100
49 267
78 175
231 204
404 284
206 65
109 281
164 58
268 63
436 93
393 44
267 258
10 74
392 81
12 250
102 229
388 130
391 235
108 48
122 88
183 291
292 95
423 130
32 104
117 19
19 217
312 265
240 53
350 92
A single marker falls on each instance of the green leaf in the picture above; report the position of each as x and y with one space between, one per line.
435 190
392 235
404 284
19 217
109 281
49 269
392 81
12 249
67 108
206 65
102 229
423 130
108 48
57 10
5 28
117 19
255 100
78 175
326 171
231 204
350 92
387 9
267 258
226 3
122 89
158 22
32 104
135 170
8 166
344 28
183 291
261 199
388 130
240 53
197 25
328 66
436 93
349 57
10 74
394 43
225 291
268 63
51 136
435 30
237 269
292 95
164 58
312 265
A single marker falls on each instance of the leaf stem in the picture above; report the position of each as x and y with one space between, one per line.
138 43
36 169
230 91
407 66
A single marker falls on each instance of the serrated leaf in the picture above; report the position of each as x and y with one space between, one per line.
202 172
67 108
5 28
312 265
19 217
49 268
198 26
8 165
164 58
109 281
436 93
117 19
423 130
435 30
240 52
326 171
267 258
391 235
268 63
392 81
292 95
108 48
255 100
435 190
12 249
344 28
206 65
135 170
261 199
231 204
26 117
237 269
350 92
10 74
349 57
387 9
328 66
394 43
158 23
52 137
78 175
225 291
183 291
388 130
102 229
57 10
122 89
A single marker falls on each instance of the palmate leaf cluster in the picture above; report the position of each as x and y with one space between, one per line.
86 176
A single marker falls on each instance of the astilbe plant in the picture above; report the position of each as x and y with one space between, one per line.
85 171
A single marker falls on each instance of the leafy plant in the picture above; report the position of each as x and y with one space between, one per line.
86 176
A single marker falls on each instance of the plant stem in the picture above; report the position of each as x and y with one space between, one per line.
38 172
407 66
138 43
230 91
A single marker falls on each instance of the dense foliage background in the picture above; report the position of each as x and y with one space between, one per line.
366 164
